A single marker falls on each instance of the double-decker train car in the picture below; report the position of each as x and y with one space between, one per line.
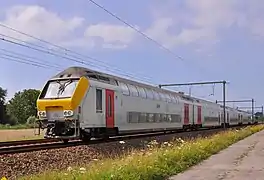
83 103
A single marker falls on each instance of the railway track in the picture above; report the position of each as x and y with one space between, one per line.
26 142
13 147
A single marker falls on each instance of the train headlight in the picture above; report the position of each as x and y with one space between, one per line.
42 114
68 113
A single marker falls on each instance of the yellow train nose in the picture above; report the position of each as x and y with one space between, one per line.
61 104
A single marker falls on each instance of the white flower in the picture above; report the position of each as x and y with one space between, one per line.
122 142
82 169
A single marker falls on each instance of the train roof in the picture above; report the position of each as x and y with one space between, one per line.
77 71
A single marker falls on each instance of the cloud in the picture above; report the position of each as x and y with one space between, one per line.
199 21
202 22
110 35
50 26
37 21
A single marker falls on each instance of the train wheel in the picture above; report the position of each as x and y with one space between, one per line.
65 141
85 137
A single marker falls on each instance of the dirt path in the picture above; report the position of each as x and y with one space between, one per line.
18 134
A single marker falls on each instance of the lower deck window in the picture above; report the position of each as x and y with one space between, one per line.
99 101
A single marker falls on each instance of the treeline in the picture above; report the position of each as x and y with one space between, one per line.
21 109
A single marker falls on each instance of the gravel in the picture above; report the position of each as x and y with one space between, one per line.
14 165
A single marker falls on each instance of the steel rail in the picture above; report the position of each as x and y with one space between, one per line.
26 142
57 145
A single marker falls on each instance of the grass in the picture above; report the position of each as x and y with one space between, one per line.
157 162
18 126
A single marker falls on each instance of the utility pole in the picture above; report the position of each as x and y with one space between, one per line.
202 83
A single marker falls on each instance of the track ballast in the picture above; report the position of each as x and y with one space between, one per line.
13 147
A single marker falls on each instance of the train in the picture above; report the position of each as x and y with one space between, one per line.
82 103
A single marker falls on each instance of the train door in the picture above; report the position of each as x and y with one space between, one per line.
193 114
199 115
186 114
219 118
222 118
227 117
109 109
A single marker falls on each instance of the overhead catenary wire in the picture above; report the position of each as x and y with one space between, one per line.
68 58
134 28
4 55
28 57
19 60
71 51
202 70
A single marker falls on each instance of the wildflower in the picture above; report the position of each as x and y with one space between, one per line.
82 170
122 142
3 178
69 168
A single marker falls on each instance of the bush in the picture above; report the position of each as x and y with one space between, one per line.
31 120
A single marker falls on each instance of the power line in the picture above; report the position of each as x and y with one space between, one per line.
25 59
140 32
62 48
146 36
65 57
29 57
19 60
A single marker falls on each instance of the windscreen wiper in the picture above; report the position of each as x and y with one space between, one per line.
63 86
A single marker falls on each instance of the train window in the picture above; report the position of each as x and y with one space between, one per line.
124 88
102 78
163 97
167 97
133 90
142 92
172 98
175 118
177 99
163 117
169 119
133 117
99 101
150 117
143 117
156 95
157 117
149 94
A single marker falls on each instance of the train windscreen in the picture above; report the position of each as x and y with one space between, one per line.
59 89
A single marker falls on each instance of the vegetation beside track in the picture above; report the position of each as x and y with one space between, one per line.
156 162
19 134
18 126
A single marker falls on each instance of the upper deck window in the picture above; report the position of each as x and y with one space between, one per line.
59 89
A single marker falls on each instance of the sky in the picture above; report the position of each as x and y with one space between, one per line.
208 40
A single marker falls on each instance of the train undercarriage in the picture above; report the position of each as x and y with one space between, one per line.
70 129
66 130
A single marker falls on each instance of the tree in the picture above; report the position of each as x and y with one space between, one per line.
3 94
23 105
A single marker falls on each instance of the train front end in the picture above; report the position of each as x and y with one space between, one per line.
59 107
